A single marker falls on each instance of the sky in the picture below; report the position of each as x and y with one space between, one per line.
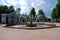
26 5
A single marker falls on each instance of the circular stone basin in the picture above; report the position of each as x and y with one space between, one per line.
28 27
32 26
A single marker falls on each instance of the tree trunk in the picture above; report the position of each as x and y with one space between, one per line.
30 22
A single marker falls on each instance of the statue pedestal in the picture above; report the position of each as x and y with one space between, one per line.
31 25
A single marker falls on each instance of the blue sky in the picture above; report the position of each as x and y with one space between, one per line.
26 5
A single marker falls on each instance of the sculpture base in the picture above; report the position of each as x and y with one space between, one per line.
31 25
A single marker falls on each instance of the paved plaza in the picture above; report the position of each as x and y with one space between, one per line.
24 34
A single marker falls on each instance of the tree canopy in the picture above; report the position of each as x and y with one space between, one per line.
40 15
40 12
6 9
32 12
54 14
18 11
56 11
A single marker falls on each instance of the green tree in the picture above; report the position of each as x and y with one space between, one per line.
32 12
32 15
18 11
40 12
54 14
23 17
40 16
6 9
56 11
11 9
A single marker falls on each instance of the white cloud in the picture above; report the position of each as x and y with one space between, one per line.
10 2
26 5
23 4
33 4
3 2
